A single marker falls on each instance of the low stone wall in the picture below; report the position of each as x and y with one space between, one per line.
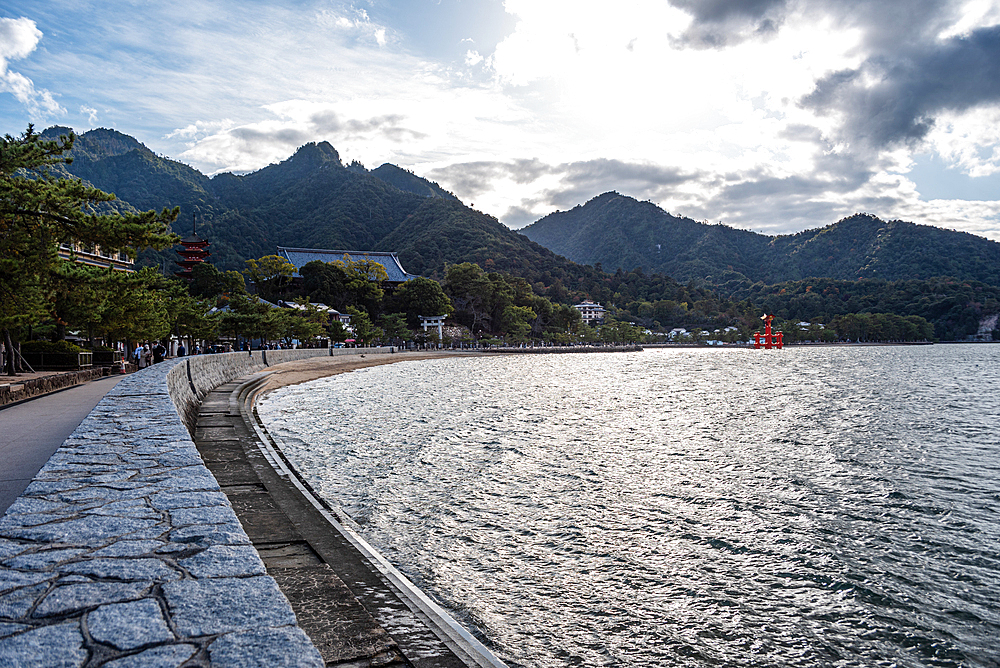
18 390
123 551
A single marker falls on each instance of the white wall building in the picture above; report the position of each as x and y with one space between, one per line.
592 314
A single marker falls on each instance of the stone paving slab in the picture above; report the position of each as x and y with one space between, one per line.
124 552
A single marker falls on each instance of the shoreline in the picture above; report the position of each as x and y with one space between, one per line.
314 368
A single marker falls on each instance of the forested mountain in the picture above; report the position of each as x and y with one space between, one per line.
313 200
409 182
619 231
309 200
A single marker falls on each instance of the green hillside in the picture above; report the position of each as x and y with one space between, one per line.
729 276
619 231
407 181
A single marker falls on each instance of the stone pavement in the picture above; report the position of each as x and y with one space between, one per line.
124 552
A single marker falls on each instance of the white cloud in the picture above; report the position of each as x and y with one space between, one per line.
969 140
201 129
574 84
90 112
18 38
355 22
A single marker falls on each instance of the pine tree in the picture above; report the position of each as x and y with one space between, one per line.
39 211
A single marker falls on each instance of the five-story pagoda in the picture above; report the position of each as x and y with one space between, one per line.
193 251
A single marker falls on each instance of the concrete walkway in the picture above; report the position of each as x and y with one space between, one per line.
32 431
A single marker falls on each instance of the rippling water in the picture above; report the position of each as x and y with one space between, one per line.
804 507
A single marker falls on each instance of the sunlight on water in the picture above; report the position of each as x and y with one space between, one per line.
804 507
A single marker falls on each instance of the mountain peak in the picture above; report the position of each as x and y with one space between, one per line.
106 143
407 181
98 143
316 154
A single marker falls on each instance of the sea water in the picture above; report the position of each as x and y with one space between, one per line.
828 506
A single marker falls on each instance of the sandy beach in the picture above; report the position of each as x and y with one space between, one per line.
301 371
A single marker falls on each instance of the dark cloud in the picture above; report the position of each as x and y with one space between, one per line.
517 217
603 171
328 123
284 136
720 11
388 126
720 23
469 179
325 122
525 171
909 77
774 205
578 181
798 132
581 181
893 98
889 25
752 198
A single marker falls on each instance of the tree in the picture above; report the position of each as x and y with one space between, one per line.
39 211
248 317
364 280
337 331
516 322
305 322
269 274
189 317
471 290
138 309
326 283
393 326
78 297
364 330
421 296
207 282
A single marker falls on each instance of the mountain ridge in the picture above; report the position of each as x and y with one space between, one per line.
311 199
615 230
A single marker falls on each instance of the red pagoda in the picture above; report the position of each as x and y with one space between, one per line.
193 251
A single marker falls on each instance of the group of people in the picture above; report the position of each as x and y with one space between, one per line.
147 354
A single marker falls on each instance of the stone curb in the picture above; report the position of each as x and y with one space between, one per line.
123 551
18 391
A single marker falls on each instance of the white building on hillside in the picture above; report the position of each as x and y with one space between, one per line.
592 314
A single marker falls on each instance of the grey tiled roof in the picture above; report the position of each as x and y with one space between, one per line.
303 256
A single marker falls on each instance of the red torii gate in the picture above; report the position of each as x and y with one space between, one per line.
770 341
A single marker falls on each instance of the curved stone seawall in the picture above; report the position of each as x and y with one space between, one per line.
124 552
194 377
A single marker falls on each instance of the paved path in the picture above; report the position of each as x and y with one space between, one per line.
123 552
32 431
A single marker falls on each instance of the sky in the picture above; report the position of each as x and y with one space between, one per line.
770 115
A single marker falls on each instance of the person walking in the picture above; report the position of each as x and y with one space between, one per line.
139 355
